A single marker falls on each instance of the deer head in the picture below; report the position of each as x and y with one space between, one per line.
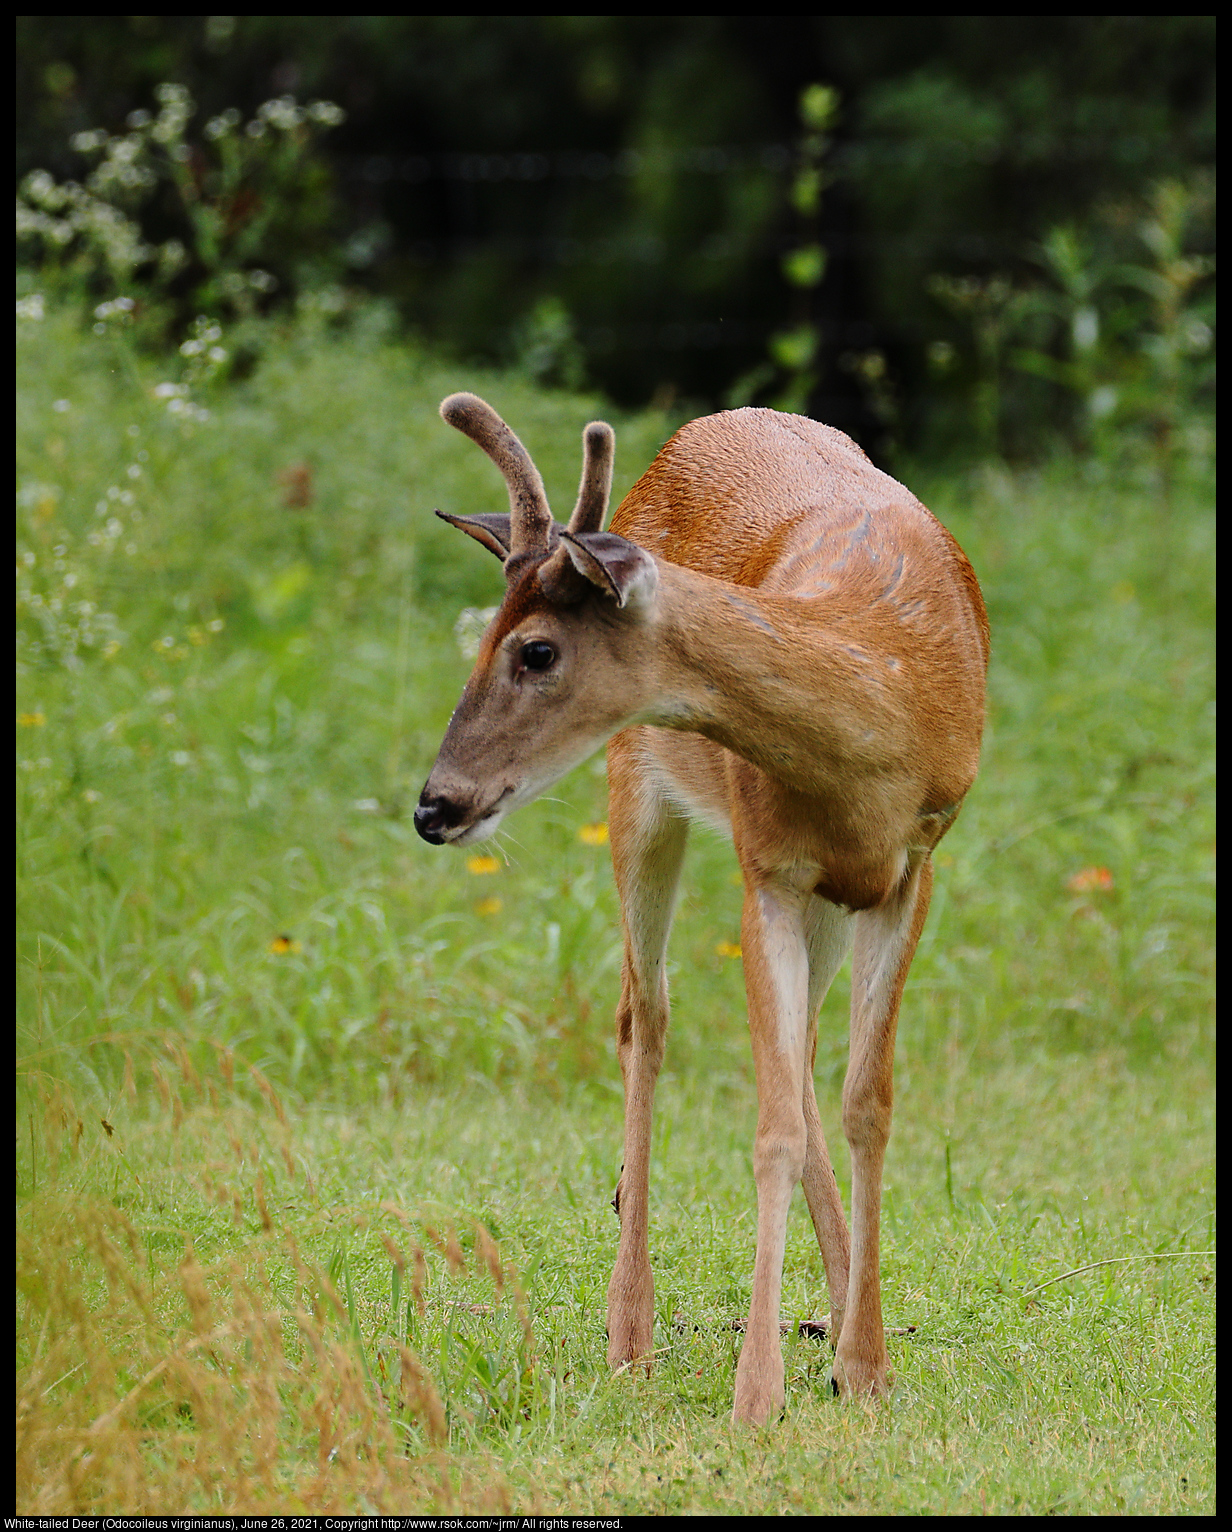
560 669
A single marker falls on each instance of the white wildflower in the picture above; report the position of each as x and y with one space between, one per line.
89 141
172 255
42 190
471 624
224 123
1102 401
326 113
115 308
281 113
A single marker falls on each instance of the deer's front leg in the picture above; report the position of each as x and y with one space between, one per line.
885 942
777 979
648 840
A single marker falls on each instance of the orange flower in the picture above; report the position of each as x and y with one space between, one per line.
728 949
480 865
281 944
593 835
1089 880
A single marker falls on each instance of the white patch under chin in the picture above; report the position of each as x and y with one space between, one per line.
482 829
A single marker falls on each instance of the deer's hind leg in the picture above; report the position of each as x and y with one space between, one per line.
885 942
827 933
648 839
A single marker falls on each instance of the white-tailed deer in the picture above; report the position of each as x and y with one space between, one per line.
779 640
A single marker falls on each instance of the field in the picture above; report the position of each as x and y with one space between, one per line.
317 1127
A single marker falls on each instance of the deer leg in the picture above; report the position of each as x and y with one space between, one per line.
885 942
828 936
648 840
776 973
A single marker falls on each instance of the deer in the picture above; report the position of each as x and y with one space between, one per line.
775 639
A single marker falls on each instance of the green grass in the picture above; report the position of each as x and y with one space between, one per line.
242 1161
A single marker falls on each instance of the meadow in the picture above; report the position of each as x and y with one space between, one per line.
317 1127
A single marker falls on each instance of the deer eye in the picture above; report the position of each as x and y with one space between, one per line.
538 656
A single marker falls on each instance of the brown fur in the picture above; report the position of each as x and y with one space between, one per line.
793 649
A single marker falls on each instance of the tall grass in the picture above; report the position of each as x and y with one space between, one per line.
316 1127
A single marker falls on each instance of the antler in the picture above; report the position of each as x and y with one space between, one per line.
531 520
598 448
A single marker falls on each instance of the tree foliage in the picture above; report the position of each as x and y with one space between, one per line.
620 198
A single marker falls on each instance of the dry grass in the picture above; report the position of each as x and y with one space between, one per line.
242 1383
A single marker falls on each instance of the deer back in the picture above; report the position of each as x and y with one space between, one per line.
796 508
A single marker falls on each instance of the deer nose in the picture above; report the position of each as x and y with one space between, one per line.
434 816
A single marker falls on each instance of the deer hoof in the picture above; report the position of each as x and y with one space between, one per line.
861 1379
761 1394
630 1358
630 1340
766 1407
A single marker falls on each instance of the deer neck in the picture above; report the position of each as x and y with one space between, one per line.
765 677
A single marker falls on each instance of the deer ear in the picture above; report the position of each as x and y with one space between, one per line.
560 581
492 531
618 567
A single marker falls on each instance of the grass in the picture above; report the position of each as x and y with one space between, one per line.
317 1128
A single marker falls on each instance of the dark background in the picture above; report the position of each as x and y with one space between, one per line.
637 170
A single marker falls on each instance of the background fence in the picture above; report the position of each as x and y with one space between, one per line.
645 204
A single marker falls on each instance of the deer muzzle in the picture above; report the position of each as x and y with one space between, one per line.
434 817
441 818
